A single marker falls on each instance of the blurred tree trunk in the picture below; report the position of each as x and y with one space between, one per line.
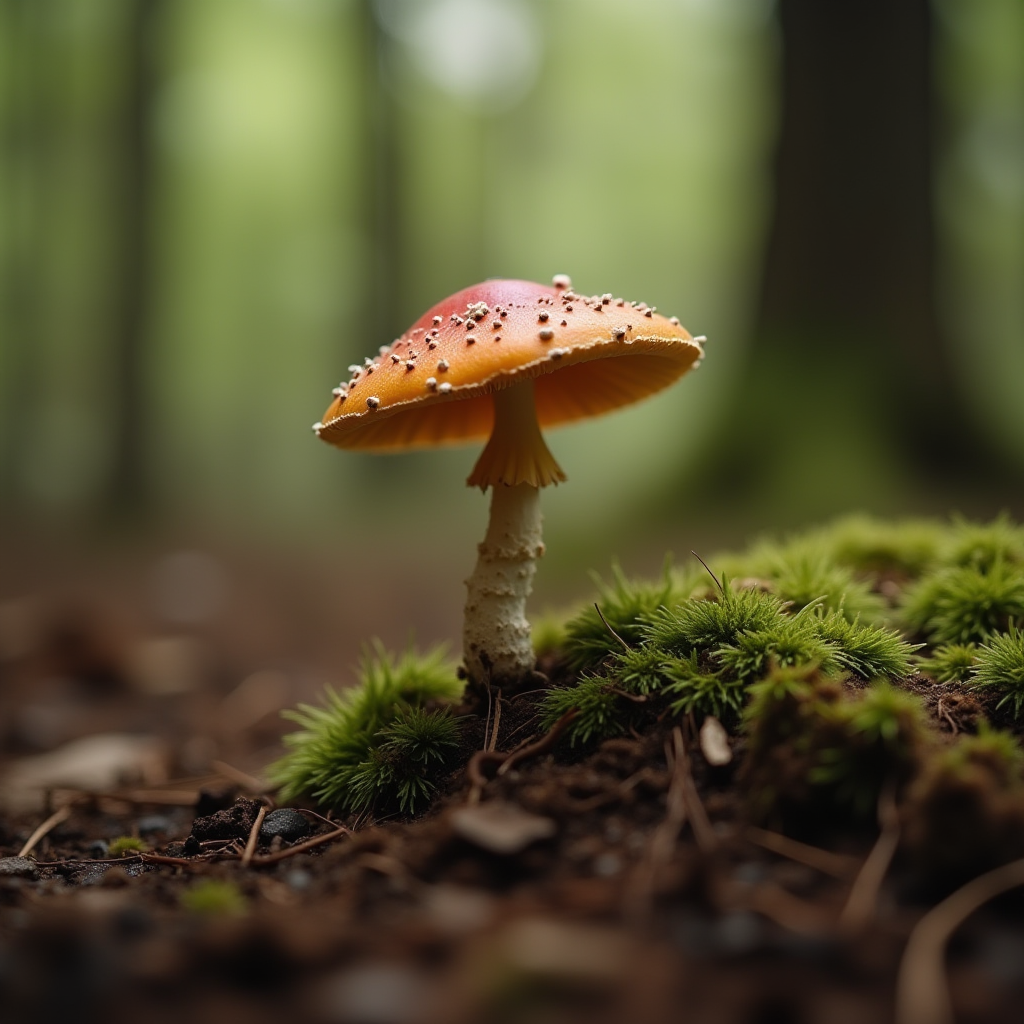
384 292
128 492
848 292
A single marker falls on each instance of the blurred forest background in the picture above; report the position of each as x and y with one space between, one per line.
209 208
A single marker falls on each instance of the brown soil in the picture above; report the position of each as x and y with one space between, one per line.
622 883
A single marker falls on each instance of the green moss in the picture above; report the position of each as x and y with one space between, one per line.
214 898
624 603
983 546
870 652
368 746
902 549
950 663
700 625
963 604
125 845
1000 665
787 640
599 714
705 693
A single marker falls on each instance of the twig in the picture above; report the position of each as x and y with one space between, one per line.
254 834
607 626
640 889
244 779
61 814
273 858
706 566
828 863
922 992
160 858
545 743
863 898
497 723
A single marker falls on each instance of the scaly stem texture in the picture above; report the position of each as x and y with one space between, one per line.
496 641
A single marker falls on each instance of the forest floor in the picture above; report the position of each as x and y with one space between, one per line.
624 880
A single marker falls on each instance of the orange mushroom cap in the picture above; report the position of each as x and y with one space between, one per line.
587 355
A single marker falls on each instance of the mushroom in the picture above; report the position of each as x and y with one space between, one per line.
558 357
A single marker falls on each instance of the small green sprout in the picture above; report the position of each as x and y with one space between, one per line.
951 663
124 846
376 744
213 897
624 603
1001 666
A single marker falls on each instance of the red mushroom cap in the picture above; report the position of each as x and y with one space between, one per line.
586 354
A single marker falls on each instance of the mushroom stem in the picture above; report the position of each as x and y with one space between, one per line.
496 642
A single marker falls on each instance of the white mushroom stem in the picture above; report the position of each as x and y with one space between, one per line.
515 463
496 642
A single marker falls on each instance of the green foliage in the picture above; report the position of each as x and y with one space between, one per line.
878 547
964 604
597 705
788 640
983 546
870 652
705 693
993 751
697 625
624 604
548 632
950 663
640 670
213 897
125 845
1001 665
374 745
810 741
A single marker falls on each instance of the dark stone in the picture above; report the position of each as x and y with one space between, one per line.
234 822
210 801
285 822
155 823
18 867
98 849
191 847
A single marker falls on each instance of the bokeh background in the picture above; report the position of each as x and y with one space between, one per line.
209 208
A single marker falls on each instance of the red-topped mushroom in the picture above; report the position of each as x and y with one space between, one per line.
501 360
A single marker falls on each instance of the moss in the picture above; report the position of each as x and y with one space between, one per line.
950 663
878 547
625 604
599 715
125 845
214 898
983 546
375 745
1000 665
870 652
690 690
787 640
964 604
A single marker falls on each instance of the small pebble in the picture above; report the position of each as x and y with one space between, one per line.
285 822
98 849
155 823
18 867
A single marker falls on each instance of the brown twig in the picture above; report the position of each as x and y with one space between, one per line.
61 814
493 742
309 844
544 744
607 626
863 898
828 863
254 834
922 992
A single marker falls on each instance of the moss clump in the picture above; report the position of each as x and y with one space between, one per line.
809 741
965 812
983 546
213 897
124 846
625 605
964 604
597 706
1000 665
950 663
377 745
878 547
870 652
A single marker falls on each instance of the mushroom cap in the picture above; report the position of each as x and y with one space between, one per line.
587 356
